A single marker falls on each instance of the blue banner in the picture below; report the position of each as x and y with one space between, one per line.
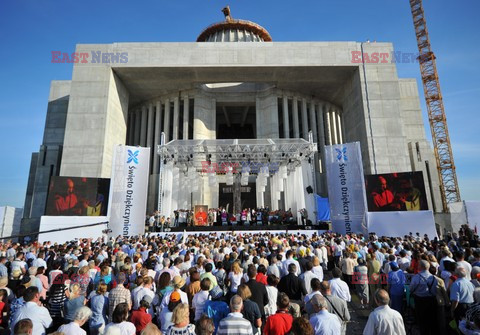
323 208
346 187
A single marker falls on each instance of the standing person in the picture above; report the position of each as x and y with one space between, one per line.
234 323
323 322
198 302
119 295
141 317
119 320
339 287
294 287
234 278
258 290
33 310
216 309
384 320
181 322
74 302
347 266
99 307
461 294
373 265
250 310
307 276
301 326
74 328
164 318
424 290
272 291
360 279
396 287
335 305
279 323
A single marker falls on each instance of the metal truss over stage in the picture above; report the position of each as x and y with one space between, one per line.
194 153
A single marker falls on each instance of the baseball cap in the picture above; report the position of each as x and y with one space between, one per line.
175 296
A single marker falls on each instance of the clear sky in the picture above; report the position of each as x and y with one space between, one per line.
30 30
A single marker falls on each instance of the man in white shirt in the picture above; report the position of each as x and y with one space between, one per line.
199 299
316 285
146 289
323 322
460 258
34 311
290 260
339 287
74 328
307 276
40 261
384 320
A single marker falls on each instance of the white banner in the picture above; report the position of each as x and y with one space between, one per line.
128 190
85 227
346 187
472 208
402 223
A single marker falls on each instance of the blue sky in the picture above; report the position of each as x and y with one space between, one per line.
31 29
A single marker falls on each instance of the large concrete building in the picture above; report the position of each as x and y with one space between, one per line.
233 82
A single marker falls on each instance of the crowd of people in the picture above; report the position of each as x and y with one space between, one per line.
226 283
222 217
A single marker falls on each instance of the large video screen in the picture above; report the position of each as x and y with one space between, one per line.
76 196
403 191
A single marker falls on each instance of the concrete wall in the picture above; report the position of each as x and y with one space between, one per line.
10 218
386 140
96 121
420 151
48 159
267 116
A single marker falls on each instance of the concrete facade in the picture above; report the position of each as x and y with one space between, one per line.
10 221
294 87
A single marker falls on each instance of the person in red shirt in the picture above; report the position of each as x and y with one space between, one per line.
261 275
279 323
141 318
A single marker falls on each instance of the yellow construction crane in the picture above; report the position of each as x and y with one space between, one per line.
436 112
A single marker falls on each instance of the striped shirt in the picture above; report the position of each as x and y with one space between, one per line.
234 323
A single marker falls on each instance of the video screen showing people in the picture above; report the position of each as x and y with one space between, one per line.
75 196
403 191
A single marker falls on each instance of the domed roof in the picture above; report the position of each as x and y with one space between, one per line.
232 30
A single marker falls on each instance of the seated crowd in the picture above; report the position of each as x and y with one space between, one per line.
226 283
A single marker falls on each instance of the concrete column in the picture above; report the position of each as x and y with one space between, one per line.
204 120
186 117
176 116
328 131
286 125
138 121
339 128
333 121
143 127
304 119
156 138
150 126
313 121
166 121
131 129
296 127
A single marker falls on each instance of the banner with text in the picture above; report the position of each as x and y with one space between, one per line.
128 190
346 187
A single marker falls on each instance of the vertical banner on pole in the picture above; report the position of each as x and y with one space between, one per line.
128 190
346 187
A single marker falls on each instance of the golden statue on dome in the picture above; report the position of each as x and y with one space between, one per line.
226 12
